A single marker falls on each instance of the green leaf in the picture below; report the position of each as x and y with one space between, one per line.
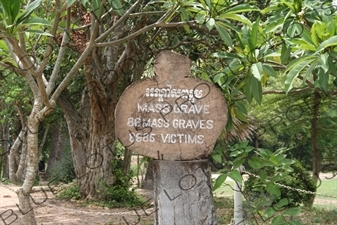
255 163
323 61
256 70
219 181
210 24
96 4
292 211
239 8
28 10
330 42
285 53
323 79
313 32
332 67
239 161
241 106
217 158
293 74
278 220
224 34
236 17
283 202
37 21
70 2
39 32
205 76
240 115
255 32
253 89
273 189
15 5
308 72
269 70
235 175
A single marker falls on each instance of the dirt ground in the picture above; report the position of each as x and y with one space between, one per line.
50 211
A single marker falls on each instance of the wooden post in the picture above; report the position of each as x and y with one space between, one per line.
183 193
173 118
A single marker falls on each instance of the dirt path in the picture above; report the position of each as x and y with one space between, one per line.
49 211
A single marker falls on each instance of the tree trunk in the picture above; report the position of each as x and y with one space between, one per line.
100 146
77 122
314 142
31 170
4 158
148 180
183 193
57 144
17 161
126 161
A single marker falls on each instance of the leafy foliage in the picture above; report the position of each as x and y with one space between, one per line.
299 178
263 195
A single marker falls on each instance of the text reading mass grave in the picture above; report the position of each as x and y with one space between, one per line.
171 116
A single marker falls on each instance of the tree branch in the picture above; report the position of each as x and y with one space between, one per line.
60 56
118 23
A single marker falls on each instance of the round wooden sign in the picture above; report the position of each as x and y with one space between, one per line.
171 116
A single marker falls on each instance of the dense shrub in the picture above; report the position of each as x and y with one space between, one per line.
299 178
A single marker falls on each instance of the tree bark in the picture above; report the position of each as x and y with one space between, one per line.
4 160
126 161
56 147
183 193
17 161
314 141
31 170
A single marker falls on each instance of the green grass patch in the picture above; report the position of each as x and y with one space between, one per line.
327 189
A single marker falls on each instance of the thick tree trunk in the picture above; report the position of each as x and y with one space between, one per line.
183 193
77 122
57 144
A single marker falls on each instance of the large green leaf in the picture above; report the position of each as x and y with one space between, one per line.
256 70
28 10
255 32
323 79
37 21
293 74
255 163
224 34
253 89
235 175
236 17
242 8
269 70
219 181
327 43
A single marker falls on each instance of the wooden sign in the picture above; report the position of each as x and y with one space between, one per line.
171 116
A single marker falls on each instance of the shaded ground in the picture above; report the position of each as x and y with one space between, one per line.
49 211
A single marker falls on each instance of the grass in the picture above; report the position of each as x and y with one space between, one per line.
327 188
